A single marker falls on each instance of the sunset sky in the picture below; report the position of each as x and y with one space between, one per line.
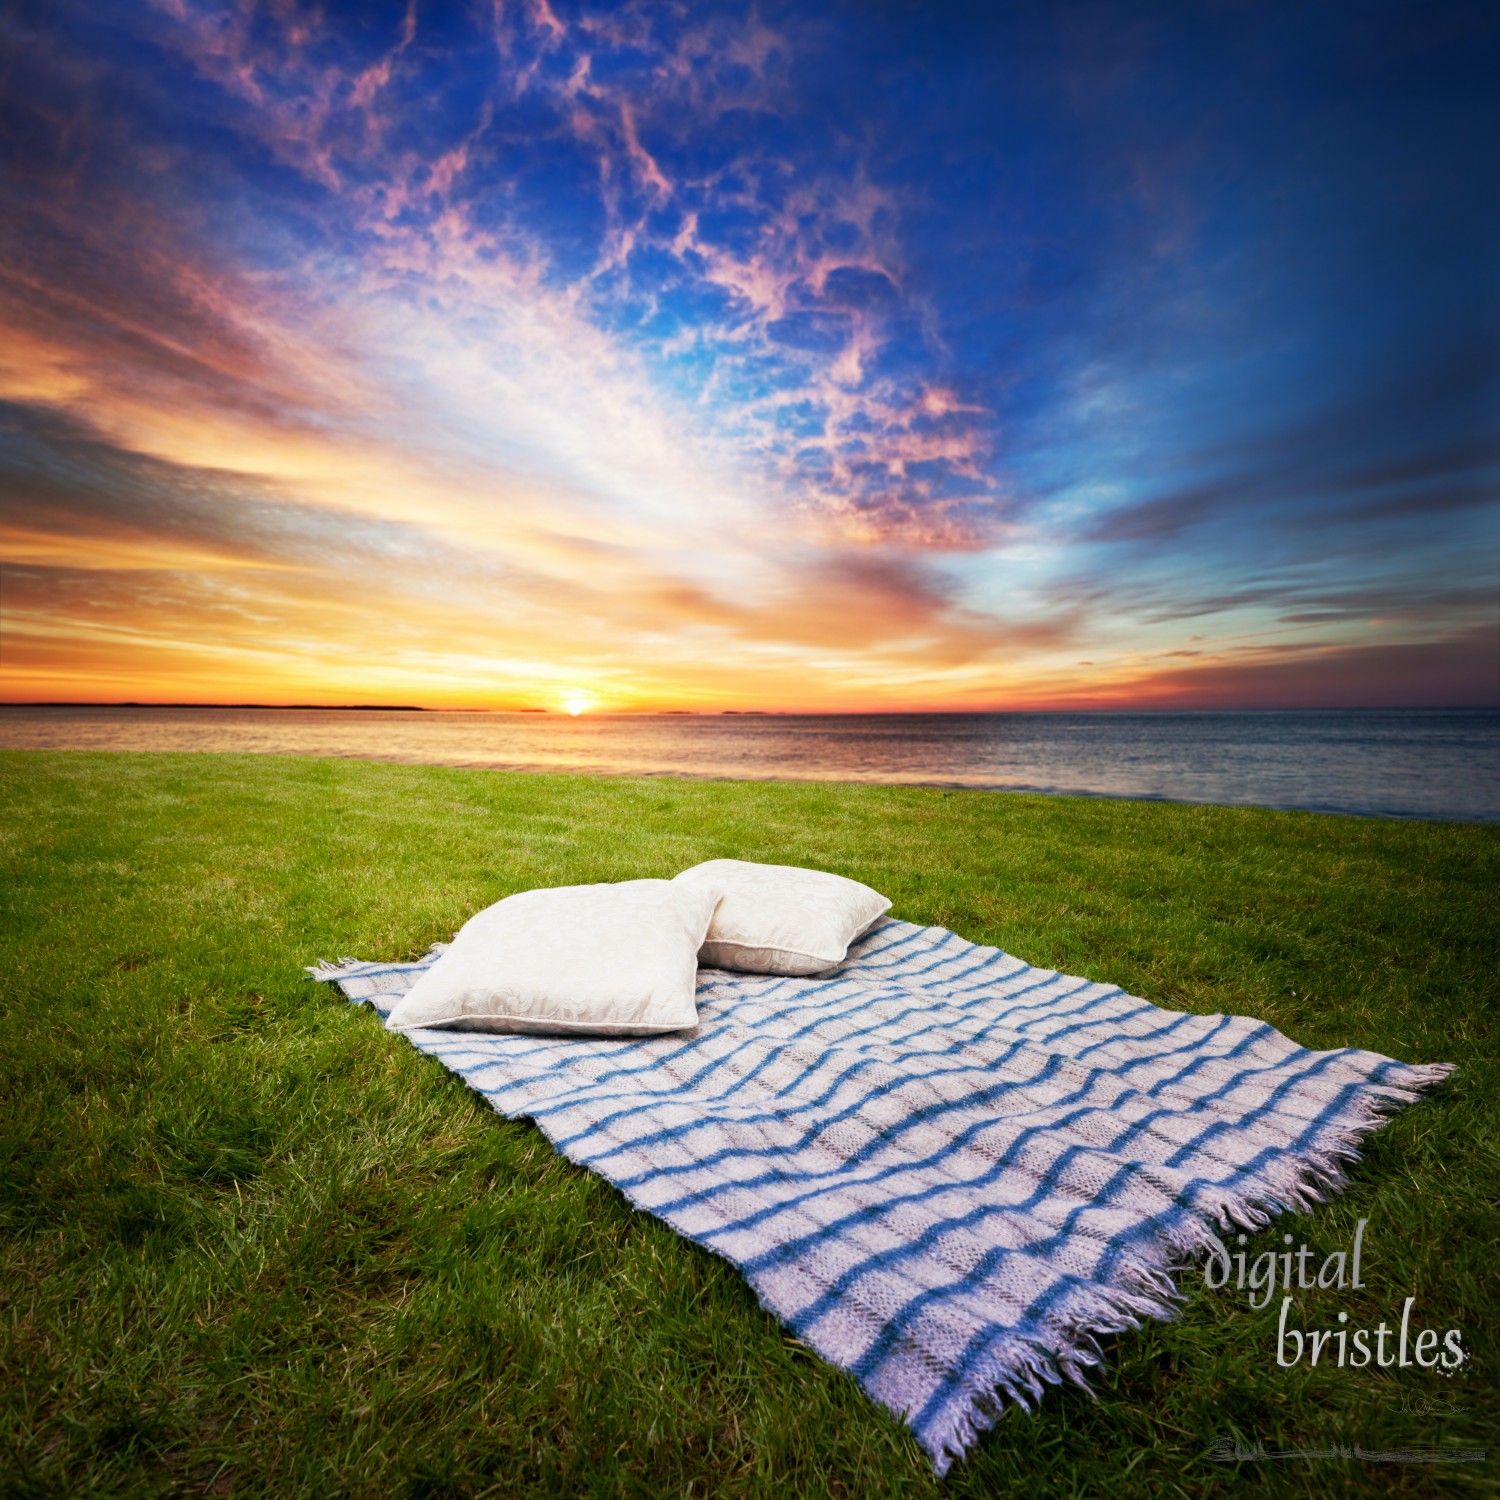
792 356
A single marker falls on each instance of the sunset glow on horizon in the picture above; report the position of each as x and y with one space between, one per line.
816 359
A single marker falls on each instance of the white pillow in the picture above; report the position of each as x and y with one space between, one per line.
781 919
607 960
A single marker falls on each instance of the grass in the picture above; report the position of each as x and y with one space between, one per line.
252 1244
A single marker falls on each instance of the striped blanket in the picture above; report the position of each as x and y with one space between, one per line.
947 1171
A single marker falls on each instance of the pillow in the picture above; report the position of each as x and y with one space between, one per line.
602 960
780 919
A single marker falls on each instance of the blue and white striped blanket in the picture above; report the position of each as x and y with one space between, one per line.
947 1171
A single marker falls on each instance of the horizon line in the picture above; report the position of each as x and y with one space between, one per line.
803 713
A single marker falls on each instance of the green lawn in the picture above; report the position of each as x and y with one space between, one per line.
250 1243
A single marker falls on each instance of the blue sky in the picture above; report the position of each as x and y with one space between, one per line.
840 357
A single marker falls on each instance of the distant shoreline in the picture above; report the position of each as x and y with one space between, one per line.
332 708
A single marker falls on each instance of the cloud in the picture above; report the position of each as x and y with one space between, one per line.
1461 670
70 492
1417 442
111 549
807 287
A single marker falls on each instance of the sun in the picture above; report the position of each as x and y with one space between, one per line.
575 702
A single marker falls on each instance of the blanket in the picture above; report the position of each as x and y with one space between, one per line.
948 1172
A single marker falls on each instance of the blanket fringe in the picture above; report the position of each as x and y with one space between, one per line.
1018 1370
325 970
331 971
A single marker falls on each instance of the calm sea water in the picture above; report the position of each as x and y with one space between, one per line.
1414 763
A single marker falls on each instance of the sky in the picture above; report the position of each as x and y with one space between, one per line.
791 356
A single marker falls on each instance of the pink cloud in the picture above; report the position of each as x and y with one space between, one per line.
1461 669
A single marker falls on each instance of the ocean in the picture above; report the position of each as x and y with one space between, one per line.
1397 763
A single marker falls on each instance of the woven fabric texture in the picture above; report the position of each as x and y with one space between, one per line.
948 1172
